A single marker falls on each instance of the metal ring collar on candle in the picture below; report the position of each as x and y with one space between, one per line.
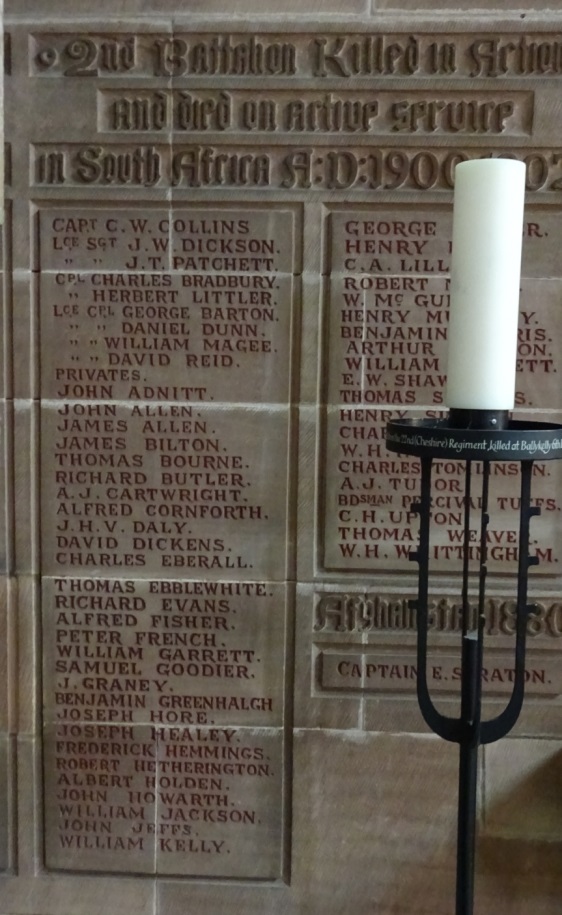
519 441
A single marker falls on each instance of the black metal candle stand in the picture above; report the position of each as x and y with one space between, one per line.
478 438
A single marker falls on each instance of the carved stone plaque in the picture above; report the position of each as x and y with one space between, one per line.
188 801
226 267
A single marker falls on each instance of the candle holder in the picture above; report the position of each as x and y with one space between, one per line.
482 436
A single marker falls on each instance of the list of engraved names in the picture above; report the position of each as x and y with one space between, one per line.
163 603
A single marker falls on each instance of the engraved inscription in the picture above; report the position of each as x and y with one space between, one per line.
164 317
328 113
201 290
162 486
382 168
340 56
161 801
152 691
163 652
371 613
85 55
176 360
394 672
169 348
364 643
388 313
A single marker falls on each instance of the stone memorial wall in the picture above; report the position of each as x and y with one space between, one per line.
226 254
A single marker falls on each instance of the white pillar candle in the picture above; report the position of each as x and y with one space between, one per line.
485 276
